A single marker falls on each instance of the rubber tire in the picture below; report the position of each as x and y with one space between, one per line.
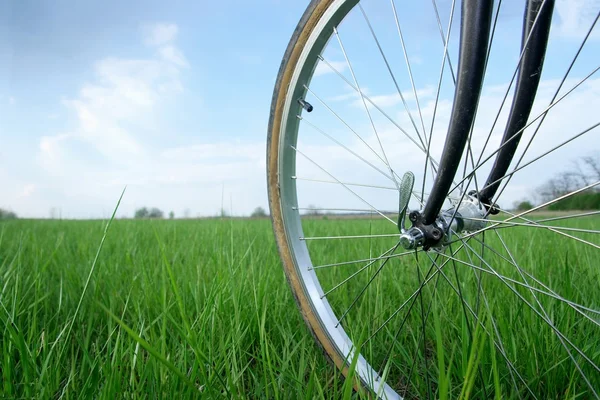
309 19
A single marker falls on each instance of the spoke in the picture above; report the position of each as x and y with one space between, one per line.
521 273
517 169
511 368
347 188
432 160
345 123
410 74
346 148
362 98
520 215
346 183
548 292
390 250
437 97
586 214
429 276
484 328
540 115
469 328
423 326
342 209
397 255
421 337
514 75
392 75
364 289
535 225
553 98
542 317
349 237
439 22
367 98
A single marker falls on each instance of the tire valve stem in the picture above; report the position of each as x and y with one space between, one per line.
305 104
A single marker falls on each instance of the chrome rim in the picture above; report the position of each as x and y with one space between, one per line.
463 266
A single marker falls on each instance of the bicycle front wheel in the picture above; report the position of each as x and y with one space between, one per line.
505 305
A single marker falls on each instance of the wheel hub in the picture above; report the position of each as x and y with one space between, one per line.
469 216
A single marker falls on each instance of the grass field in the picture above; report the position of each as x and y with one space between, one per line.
190 308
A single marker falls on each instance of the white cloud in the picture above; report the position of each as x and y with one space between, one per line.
576 17
27 191
124 93
160 34
173 55
323 68
51 148
11 100
117 113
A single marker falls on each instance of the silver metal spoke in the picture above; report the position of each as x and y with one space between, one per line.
520 215
437 97
511 369
585 214
517 169
342 209
410 74
347 188
480 163
521 273
367 98
388 251
428 277
535 225
345 123
439 23
532 222
548 292
484 328
397 255
337 35
345 183
552 100
546 320
391 74
364 289
514 75
349 237
345 148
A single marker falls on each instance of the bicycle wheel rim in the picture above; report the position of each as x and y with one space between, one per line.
288 222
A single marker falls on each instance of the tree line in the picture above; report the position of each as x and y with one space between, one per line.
6 214
583 172
156 213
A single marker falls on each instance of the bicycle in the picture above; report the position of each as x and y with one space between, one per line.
425 272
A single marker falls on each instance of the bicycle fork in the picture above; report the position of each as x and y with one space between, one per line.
431 227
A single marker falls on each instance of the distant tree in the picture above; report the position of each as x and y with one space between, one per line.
141 213
5 214
312 210
258 212
223 213
155 213
524 205
187 213
583 172
171 215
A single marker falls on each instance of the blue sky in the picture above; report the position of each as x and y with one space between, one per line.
172 99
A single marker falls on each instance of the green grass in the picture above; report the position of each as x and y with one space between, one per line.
181 309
